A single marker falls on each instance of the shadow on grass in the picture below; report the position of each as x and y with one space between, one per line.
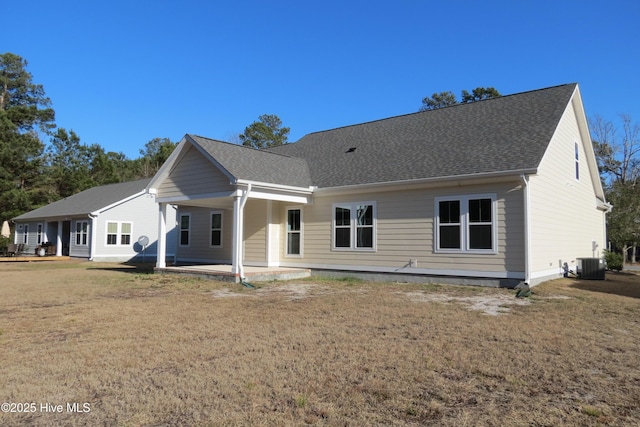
623 284
129 267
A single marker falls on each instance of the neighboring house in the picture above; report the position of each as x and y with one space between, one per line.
502 190
102 223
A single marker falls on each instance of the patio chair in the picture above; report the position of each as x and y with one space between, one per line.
12 248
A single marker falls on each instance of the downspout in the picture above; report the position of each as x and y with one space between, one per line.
527 228
243 201
93 236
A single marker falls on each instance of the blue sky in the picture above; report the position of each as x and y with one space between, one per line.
120 73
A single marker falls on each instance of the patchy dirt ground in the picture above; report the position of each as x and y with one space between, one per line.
142 350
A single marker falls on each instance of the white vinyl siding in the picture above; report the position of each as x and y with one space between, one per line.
142 214
564 219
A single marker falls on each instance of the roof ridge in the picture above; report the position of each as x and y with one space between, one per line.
460 104
260 150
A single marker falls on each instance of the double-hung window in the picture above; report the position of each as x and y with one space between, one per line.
39 233
185 229
216 229
466 224
118 233
294 232
82 234
25 234
112 233
354 226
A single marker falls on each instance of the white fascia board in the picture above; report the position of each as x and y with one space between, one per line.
176 199
268 185
280 197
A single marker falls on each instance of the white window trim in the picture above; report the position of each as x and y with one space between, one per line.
81 233
25 234
39 233
221 213
353 206
118 234
301 232
180 229
464 224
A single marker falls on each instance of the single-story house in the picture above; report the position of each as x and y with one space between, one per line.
105 223
501 190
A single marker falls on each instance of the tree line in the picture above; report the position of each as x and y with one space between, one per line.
33 173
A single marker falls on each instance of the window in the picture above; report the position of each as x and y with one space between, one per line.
185 229
354 226
466 224
294 231
125 233
25 234
39 233
112 233
216 229
81 233
118 233
577 150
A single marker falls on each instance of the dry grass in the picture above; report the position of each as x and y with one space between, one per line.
162 350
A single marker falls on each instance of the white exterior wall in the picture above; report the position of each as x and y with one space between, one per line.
564 217
142 213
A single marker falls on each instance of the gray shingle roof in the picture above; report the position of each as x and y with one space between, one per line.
257 165
495 135
86 201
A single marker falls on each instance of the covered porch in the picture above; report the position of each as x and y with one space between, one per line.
246 242
230 201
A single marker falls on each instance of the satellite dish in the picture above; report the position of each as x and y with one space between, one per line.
143 241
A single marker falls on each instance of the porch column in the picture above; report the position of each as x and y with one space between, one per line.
59 239
162 236
236 255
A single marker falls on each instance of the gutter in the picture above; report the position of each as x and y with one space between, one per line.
451 179
527 228
243 201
